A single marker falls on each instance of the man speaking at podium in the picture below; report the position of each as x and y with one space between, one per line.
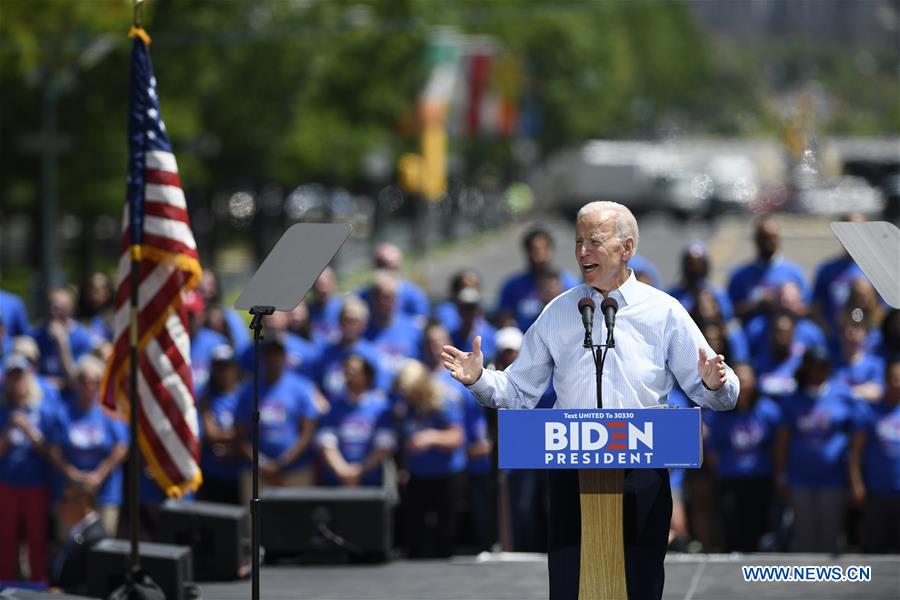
656 345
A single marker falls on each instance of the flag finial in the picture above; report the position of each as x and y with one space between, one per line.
138 5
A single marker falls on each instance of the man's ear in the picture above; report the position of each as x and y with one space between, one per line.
628 249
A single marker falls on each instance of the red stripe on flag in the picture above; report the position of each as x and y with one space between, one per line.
615 446
166 211
169 245
615 424
618 436
156 176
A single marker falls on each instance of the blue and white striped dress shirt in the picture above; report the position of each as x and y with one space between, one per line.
656 346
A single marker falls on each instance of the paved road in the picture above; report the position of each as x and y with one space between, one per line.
805 240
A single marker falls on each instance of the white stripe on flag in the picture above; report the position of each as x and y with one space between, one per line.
178 231
168 194
161 161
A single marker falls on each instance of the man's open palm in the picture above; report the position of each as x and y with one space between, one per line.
465 367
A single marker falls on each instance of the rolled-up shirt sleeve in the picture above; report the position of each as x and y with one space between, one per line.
684 341
523 383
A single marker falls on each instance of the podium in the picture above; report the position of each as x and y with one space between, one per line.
600 443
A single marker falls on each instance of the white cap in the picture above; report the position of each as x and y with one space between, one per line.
508 338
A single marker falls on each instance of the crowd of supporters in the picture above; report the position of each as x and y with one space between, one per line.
353 393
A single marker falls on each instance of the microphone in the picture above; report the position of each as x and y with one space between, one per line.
586 308
609 308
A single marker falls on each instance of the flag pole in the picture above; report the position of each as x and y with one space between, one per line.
134 456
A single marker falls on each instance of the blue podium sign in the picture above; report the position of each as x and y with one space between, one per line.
645 438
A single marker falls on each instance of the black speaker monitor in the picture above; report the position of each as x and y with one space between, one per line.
313 521
217 534
169 566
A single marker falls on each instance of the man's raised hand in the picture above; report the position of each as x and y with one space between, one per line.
465 367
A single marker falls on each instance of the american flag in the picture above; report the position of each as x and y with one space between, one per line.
156 229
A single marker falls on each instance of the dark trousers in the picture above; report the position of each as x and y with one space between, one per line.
744 506
430 506
646 513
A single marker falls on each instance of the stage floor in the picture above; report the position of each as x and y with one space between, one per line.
520 576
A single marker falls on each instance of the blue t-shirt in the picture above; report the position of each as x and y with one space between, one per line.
80 342
238 328
447 314
737 344
13 315
23 466
687 298
742 440
300 355
832 286
487 332
821 427
222 406
398 341
434 462
474 419
641 264
99 329
806 332
476 431
282 408
751 280
868 369
775 377
356 429
202 343
411 300
519 296
881 457
329 370
325 320
86 438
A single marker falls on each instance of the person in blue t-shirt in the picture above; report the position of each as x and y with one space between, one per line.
288 417
788 298
740 448
357 435
695 279
432 442
831 290
645 271
447 312
818 420
95 308
855 367
411 299
25 424
480 472
329 369
395 335
776 361
221 459
752 287
325 308
875 468
13 317
301 355
89 446
471 324
519 303
62 340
